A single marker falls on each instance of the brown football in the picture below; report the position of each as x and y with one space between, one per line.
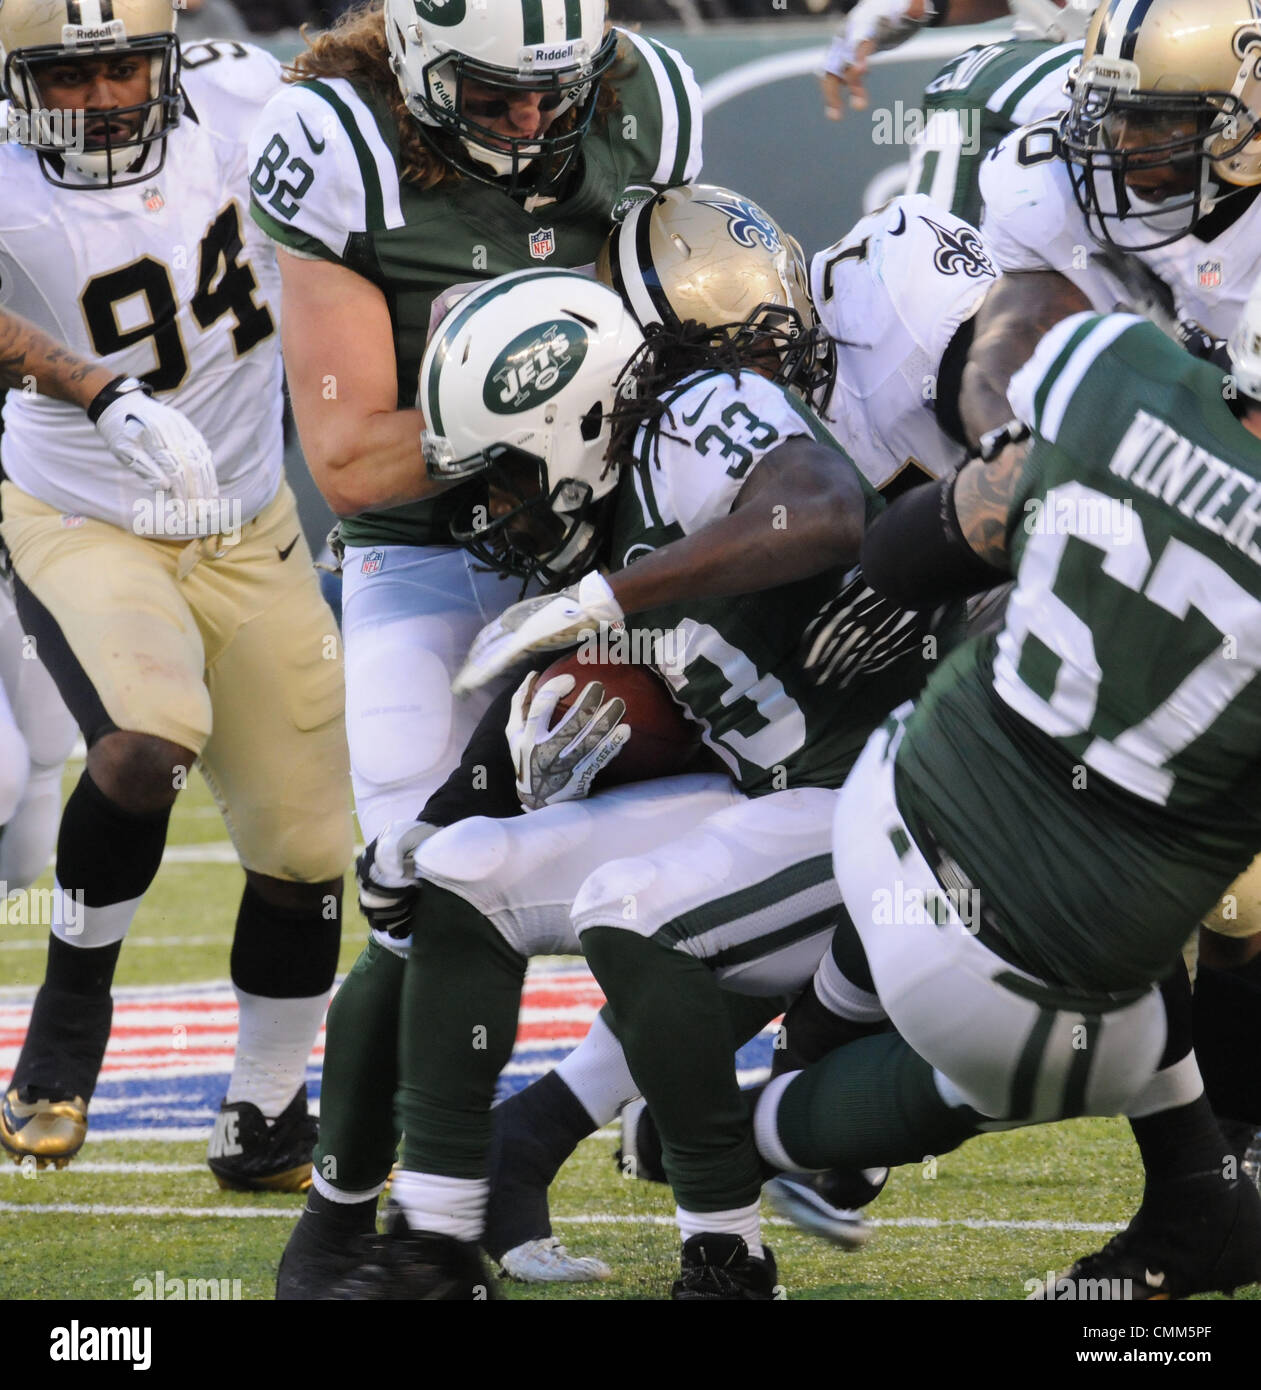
663 740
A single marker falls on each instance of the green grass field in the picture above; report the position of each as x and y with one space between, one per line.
976 1225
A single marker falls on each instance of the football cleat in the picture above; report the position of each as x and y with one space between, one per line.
249 1153
639 1154
318 1256
827 1204
45 1126
548 1262
719 1269
1210 1246
417 1266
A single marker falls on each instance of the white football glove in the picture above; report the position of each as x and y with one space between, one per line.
387 876
548 623
156 442
559 764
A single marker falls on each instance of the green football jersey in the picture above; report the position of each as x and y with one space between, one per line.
1093 768
973 102
326 184
738 664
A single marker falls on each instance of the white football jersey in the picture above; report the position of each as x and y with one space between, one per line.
715 432
1032 222
892 293
169 280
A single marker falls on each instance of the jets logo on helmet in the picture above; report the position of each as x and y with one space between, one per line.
959 251
747 223
533 367
441 11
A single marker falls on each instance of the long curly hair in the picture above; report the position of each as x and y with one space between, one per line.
356 48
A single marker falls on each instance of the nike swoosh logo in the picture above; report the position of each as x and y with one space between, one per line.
316 146
700 410
1155 1280
901 227
287 551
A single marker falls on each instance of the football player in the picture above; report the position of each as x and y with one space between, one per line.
1039 1001
873 26
724 886
1157 166
36 730
416 152
172 600
988 91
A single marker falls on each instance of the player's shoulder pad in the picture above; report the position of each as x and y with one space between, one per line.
911 265
715 433
1031 219
227 83
1041 392
322 170
660 92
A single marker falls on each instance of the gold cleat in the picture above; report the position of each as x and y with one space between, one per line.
50 1131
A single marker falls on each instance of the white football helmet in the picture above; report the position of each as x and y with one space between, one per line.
37 32
1061 21
1245 347
560 50
517 386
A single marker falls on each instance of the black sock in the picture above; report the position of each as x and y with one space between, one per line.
535 1131
104 852
811 1030
1228 1040
352 1217
1177 1145
284 952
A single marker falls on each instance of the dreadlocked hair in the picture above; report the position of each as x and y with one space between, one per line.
668 354
356 48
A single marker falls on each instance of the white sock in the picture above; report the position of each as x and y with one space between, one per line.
596 1072
765 1124
447 1206
338 1194
274 1040
740 1221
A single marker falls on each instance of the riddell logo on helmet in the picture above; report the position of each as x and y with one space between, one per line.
534 366
73 34
563 54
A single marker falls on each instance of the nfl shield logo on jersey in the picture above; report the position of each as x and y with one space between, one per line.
1210 275
372 562
153 200
542 243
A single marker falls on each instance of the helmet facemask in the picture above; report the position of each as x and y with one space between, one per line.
87 151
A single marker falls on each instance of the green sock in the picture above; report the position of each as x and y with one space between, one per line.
461 997
870 1103
677 1032
358 1138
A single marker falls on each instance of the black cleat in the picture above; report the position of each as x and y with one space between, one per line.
417 1266
827 1204
249 1153
318 1255
1212 1245
719 1269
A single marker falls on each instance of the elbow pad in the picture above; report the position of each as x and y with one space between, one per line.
916 554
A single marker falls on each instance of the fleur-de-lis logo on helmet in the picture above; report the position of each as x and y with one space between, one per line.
746 223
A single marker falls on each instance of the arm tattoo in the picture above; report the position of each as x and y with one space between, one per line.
983 496
29 354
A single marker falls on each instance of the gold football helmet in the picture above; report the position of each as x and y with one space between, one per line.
1166 116
36 33
711 257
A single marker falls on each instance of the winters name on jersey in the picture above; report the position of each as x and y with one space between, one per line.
1218 497
938 130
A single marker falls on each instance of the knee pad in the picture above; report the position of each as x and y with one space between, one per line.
15 768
